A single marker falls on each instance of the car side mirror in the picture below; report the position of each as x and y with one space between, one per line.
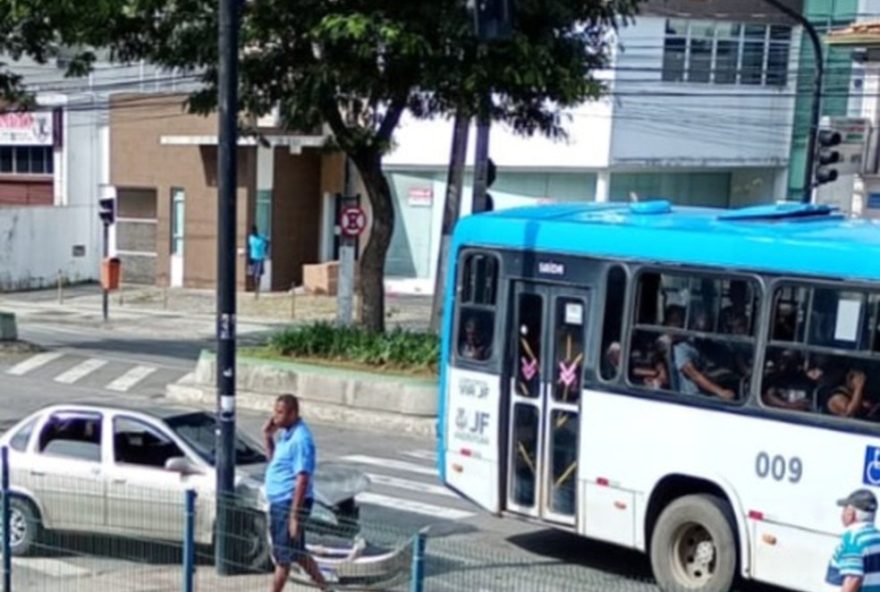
182 465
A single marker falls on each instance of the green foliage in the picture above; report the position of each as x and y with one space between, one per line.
398 349
353 65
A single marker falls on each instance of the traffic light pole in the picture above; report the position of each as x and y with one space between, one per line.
818 78
105 292
226 280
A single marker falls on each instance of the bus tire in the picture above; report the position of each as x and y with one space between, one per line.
693 545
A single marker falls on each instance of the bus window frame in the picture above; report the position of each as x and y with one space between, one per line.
631 326
625 323
816 417
491 363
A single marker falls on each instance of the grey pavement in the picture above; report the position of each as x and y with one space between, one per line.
468 549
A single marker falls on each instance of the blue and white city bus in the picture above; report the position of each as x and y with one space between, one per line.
698 384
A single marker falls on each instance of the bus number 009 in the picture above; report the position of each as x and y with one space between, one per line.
779 468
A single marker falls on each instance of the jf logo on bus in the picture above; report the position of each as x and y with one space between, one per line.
871 475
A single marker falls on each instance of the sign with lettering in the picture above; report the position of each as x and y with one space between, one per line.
26 129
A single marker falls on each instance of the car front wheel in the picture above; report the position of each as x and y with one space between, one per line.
24 527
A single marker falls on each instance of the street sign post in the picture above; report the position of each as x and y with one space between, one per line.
352 222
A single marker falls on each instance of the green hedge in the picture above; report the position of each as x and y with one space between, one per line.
399 349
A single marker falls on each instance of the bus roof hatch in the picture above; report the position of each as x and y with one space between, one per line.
782 211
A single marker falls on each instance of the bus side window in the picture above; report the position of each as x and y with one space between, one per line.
615 291
694 335
477 294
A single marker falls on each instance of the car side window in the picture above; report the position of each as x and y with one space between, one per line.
72 435
22 437
137 443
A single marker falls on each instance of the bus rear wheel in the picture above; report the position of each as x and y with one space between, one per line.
693 547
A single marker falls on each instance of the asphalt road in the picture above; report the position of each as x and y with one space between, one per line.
470 550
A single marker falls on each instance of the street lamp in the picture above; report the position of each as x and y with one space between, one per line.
818 77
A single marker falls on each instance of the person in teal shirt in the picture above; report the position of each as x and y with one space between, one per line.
258 248
855 566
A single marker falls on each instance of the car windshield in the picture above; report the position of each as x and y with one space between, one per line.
199 431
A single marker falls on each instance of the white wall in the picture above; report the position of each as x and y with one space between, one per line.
653 129
37 242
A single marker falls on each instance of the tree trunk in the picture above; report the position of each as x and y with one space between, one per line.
372 264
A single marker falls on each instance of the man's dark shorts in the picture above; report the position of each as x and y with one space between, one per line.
257 268
286 550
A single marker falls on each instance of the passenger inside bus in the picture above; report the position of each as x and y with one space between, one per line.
473 341
787 385
735 316
850 399
689 364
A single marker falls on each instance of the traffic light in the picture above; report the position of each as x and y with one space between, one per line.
493 19
107 210
827 139
491 174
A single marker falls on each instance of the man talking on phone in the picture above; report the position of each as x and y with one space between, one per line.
289 490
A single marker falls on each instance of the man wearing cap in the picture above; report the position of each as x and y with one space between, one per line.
855 566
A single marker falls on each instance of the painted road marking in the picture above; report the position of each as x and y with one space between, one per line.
33 363
388 463
50 567
130 378
80 371
410 485
394 503
428 455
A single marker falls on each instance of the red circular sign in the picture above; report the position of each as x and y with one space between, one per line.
352 221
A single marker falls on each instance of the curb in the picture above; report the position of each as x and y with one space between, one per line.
329 395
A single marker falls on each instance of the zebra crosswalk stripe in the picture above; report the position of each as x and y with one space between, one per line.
33 362
388 463
396 503
129 379
80 371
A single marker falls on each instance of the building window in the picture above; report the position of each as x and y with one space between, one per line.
263 214
712 52
26 160
178 204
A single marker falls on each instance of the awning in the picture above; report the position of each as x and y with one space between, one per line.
863 34
295 142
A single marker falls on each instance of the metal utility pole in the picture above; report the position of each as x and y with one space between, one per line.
818 78
451 210
226 278
481 164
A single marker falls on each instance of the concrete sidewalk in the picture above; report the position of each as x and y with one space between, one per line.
186 312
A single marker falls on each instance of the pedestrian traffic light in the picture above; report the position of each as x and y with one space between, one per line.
493 19
107 210
827 139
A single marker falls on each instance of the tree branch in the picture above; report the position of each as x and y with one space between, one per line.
391 119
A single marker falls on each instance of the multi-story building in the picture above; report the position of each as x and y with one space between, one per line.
699 110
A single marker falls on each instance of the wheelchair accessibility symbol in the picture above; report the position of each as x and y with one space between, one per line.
872 466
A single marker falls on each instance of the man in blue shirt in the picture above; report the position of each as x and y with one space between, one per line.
289 490
855 566
258 248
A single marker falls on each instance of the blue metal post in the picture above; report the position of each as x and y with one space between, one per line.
189 542
418 562
7 534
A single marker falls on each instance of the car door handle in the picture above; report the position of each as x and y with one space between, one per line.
38 474
120 481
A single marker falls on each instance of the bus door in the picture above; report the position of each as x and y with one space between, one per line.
546 359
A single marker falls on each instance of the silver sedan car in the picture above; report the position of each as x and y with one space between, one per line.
93 468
